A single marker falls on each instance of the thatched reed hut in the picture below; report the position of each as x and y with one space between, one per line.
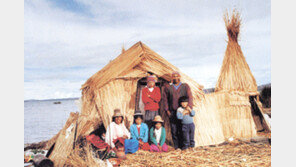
237 80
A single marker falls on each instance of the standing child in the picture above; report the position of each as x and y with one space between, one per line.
139 131
157 136
185 114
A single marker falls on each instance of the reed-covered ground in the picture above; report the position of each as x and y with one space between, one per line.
234 153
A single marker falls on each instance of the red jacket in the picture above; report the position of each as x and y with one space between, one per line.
151 103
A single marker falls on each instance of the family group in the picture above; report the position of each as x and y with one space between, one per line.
147 131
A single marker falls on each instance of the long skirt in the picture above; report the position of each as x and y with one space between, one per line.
98 142
131 145
154 148
145 147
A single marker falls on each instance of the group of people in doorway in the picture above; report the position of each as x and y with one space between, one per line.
147 131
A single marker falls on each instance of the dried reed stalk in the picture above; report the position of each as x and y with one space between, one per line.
82 157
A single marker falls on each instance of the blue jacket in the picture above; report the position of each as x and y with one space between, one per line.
143 132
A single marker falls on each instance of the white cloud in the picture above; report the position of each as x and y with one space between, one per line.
54 89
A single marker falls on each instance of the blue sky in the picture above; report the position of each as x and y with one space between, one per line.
65 42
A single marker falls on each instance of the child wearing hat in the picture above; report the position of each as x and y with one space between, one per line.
186 114
157 136
139 131
151 97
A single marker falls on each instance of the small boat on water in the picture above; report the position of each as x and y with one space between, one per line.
57 102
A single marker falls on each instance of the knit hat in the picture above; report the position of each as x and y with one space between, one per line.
157 118
138 113
117 113
176 72
150 78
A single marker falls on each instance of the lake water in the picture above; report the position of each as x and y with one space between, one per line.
43 119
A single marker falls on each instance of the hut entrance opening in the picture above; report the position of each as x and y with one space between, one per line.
141 84
257 114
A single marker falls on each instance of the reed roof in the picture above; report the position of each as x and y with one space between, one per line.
137 60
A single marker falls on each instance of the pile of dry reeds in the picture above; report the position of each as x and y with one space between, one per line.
83 157
235 153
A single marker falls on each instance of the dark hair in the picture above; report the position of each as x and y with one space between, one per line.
99 131
183 99
138 116
113 119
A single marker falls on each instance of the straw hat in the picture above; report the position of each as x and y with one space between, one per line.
157 118
117 113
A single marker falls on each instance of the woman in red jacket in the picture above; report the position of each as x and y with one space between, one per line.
151 97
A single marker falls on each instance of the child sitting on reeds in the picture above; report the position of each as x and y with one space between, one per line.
157 136
139 131
186 114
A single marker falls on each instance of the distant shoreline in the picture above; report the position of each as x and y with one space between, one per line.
62 99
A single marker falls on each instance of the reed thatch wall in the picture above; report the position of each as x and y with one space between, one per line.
208 129
236 116
221 116
119 93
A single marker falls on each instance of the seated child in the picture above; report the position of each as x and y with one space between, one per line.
139 131
157 136
185 113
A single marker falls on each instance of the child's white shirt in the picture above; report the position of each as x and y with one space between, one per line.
115 131
157 134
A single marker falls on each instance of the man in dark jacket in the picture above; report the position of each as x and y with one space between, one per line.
171 103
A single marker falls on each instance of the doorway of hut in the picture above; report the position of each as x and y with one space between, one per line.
142 83
257 113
